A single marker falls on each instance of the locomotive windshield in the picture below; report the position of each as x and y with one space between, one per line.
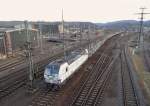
52 69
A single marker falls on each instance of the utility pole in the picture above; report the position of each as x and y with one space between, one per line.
38 38
80 35
29 55
140 37
41 38
89 41
64 44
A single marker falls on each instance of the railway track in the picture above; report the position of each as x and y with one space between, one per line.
12 64
129 93
10 61
91 84
146 56
46 98
90 92
12 87
18 79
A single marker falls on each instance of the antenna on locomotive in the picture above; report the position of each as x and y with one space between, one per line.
64 48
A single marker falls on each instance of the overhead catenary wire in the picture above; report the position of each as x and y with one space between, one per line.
140 37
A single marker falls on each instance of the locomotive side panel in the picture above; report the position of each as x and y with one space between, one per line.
62 72
76 64
67 70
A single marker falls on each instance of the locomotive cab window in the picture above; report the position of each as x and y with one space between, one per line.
52 69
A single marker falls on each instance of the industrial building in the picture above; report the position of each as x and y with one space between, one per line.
13 40
47 29
75 27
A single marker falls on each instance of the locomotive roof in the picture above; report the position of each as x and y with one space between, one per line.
73 56
70 58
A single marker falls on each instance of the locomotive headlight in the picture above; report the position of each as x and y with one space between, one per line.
59 80
45 76
56 75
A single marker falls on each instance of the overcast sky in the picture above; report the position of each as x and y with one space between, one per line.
74 10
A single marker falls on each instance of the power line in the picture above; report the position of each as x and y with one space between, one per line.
142 13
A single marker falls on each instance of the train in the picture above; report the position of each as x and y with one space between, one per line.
57 72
